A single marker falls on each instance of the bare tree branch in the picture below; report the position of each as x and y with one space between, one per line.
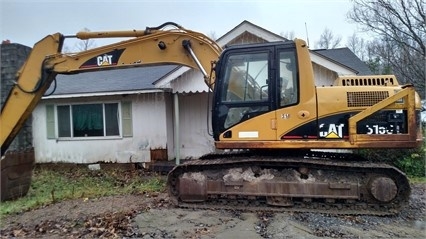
358 46
328 40
85 45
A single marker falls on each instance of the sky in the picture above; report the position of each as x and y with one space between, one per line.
28 21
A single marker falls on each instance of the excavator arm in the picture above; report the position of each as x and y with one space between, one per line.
145 47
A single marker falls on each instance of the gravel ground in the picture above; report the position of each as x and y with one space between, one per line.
151 216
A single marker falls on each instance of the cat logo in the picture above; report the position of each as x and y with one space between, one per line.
105 60
334 131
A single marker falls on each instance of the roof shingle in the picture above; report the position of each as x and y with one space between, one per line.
130 79
346 57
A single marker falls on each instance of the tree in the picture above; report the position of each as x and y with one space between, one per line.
399 26
377 53
328 40
85 45
358 46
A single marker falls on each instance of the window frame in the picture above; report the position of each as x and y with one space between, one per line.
295 79
103 103
223 108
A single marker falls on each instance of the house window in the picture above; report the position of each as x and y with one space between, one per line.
88 120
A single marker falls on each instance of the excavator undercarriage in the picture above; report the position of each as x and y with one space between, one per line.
302 182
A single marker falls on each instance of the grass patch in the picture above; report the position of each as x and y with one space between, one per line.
418 180
51 185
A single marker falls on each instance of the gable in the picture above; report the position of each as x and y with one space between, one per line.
250 28
246 37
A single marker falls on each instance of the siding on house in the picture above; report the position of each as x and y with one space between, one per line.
323 76
190 81
149 115
195 121
246 38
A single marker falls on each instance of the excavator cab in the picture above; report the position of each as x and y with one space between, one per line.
253 83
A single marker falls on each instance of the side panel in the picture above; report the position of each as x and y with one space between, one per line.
385 122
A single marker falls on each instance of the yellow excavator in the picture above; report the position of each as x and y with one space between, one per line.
278 130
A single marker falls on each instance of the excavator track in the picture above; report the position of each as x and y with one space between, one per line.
316 182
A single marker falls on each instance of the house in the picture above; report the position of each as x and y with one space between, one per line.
141 114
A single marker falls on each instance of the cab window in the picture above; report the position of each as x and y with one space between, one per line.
288 78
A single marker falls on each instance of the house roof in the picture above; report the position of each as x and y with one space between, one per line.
346 57
330 64
117 80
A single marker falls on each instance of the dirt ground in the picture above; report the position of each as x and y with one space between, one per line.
151 216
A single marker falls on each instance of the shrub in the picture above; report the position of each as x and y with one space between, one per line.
411 161
413 165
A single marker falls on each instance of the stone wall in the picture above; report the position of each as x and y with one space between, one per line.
13 56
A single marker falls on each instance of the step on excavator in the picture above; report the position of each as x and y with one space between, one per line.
279 132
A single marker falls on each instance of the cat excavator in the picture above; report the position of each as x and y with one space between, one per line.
279 133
